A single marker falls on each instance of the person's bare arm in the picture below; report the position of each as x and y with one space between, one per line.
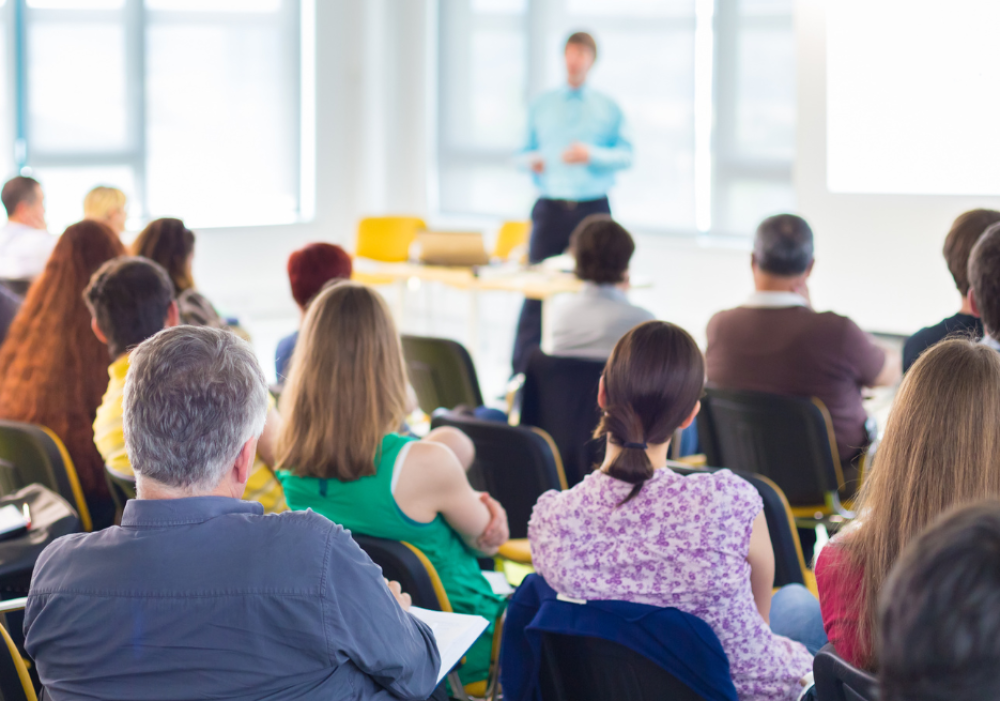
267 446
461 445
892 369
433 481
761 559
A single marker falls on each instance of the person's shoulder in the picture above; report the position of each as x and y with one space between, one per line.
62 556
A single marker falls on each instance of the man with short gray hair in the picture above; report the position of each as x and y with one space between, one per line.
775 342
198 594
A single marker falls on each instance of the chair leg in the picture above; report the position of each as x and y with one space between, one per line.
457 690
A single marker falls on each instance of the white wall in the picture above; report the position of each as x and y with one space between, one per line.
878 256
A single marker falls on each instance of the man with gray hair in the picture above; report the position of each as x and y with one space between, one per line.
775 342
198 594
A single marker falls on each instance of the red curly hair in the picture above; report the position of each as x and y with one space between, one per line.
53 370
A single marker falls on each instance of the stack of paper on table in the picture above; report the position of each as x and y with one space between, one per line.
454 633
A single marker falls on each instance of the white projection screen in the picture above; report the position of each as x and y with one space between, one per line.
913 97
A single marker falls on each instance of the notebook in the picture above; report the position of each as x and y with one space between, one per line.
453 632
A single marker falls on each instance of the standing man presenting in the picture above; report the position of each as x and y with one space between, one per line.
575 144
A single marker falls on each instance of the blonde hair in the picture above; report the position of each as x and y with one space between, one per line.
346 387
102 201
941 449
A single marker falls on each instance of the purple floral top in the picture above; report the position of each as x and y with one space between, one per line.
681 542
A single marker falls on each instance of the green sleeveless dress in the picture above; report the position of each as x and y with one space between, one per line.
367 506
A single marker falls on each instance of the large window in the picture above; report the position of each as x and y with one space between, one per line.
707 87
192 107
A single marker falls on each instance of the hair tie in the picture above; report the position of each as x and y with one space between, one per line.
636 446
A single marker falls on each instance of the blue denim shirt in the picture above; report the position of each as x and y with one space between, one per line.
207 598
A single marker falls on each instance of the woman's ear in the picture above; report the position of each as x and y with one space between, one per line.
602 395
690 419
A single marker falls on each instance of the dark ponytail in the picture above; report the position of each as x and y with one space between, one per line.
652 381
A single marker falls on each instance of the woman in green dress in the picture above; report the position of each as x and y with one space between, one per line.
339 453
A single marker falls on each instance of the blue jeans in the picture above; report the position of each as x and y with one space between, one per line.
795 614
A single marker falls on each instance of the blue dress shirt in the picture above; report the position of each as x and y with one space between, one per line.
207 598
566 115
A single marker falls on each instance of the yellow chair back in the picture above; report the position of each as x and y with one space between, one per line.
512 234
387 239
15 663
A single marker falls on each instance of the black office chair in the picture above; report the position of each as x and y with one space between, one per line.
32 454
838 680
15 681
789 563
789 440
406 564
579 668
559 396
121 486
441 372
515 464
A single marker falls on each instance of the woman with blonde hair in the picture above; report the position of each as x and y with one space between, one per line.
941 449
339 453
106 205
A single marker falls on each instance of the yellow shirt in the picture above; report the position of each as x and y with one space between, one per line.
110 441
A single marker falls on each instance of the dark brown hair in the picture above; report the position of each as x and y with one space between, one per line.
129 297
583 39
53 370
603 249
965 231
984 278
168 242
652 381
17 190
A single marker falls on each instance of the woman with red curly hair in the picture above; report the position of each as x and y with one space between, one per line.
53 370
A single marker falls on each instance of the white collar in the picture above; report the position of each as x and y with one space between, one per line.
991 342
772 300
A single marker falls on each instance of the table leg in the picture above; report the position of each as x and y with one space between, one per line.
472 327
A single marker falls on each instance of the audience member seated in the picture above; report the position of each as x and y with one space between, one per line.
310 268
131 299
589 323
957 246
344 399
108 206
984 282
25 245
10 303
171 244
198 594
53 370
776 343
940 613
940 449
636 531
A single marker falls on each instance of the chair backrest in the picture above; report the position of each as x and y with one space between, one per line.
122 486
579 668
31 454
515 464
838 680
511 235
560 397
787 439
789 562
15 681
387 238
442 373
406 564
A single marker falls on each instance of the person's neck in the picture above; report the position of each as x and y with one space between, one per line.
575 84
23 220
966 307
772 283
657 454
150 489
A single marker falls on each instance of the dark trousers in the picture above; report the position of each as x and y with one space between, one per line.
552 222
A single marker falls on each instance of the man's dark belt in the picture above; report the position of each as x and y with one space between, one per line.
572 204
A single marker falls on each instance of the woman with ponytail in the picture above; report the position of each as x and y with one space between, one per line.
633 532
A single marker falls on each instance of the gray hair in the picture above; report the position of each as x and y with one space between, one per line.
783 245
193 396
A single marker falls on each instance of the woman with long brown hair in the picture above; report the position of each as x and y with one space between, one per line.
340 455
635 530
171 244
941 449
53 370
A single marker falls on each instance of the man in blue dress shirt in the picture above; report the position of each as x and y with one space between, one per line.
575 145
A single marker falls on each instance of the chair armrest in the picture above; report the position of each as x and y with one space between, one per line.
516 550
515 394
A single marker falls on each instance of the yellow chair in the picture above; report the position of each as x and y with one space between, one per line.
15 682
511 235
387 239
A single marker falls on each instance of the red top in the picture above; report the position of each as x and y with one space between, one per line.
840 600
